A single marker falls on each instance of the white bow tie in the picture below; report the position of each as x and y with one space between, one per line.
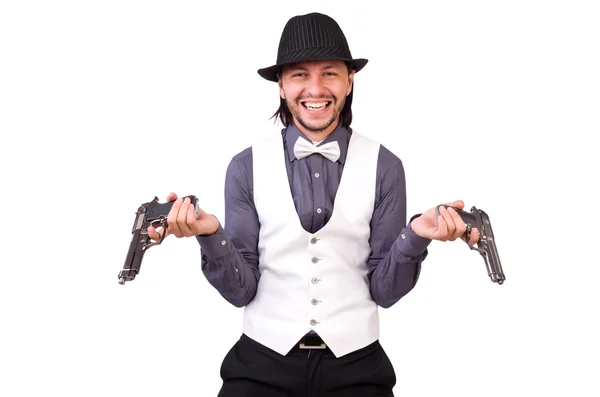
330 150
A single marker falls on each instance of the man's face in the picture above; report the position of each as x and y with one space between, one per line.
315 93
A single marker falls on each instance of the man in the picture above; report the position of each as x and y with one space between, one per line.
316 235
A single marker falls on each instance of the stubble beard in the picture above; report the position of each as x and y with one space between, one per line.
294 107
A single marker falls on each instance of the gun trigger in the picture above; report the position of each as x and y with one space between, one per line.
468 237
469 241
160 223
482 252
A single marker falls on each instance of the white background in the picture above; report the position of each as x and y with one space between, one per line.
106 104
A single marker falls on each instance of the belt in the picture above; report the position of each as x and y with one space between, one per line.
312 341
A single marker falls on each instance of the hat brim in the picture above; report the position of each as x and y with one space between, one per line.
270 73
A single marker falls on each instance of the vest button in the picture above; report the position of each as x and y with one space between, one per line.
314 301
314 259
314 280
313 322
313 240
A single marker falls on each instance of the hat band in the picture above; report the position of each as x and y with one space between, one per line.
315 53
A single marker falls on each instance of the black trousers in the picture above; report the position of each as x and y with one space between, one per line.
253 370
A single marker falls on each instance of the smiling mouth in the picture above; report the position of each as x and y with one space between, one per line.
316 105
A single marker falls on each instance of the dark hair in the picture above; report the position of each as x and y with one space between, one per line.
285 116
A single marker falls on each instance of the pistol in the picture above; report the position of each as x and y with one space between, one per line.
148 214
486 245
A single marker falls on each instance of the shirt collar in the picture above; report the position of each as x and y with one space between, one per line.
340 134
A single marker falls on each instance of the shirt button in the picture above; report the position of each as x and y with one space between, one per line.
314 259
314 280
313 240
314 301
319 210
317 175
313 322
403 236
223 242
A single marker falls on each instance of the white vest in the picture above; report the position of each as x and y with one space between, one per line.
313 281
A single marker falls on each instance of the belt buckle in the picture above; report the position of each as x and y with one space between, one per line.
321 346
312 342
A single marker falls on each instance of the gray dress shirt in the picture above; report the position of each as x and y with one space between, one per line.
230 256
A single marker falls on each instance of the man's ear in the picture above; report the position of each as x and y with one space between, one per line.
280 84
350 82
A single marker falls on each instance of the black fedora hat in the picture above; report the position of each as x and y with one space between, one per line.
311 37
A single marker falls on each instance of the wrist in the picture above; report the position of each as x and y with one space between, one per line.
410 223
215 230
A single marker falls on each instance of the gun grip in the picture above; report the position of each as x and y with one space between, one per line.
469 218
157 211
437 210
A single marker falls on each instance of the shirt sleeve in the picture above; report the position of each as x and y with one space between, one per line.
230 256
396 251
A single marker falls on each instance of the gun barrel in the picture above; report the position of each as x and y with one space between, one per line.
135 254
488 245
133 262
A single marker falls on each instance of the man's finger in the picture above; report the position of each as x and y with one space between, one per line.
156 234
172 218
182 218
191 215
459 224
152 233
457 203
450 226
442 227
474 236
171 196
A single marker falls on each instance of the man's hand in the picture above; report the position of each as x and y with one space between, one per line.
448 227
182 221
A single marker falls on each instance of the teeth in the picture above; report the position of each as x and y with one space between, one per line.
316 106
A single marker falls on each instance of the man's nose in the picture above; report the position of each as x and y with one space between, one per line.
315 86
